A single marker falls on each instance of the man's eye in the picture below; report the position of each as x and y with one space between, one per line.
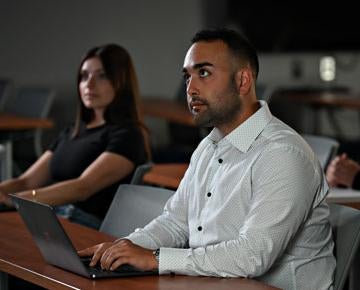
203 73
186 77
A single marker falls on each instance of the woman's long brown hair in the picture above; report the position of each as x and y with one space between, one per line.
125 108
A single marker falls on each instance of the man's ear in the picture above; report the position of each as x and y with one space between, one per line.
244 80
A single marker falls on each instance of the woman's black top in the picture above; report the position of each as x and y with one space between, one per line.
71 156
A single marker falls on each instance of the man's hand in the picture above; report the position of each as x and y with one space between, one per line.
95 251
113 254
342 171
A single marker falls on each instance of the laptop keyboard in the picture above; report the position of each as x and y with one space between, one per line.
99 272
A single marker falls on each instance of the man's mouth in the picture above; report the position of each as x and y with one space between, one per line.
196 106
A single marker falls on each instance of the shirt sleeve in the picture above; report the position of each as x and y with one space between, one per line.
286 187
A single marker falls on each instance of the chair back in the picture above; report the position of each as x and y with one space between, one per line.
134 206
33 102
345 222
325 148
140 172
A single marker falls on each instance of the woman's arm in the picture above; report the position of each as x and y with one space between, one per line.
35 176
107 169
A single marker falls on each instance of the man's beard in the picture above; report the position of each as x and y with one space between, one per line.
223 113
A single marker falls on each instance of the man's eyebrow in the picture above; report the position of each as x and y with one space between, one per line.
198 65
202 64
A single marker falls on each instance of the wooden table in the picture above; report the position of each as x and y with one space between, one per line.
10 123
20 257
169 110
166 175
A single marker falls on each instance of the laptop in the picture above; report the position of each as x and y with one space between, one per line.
55 245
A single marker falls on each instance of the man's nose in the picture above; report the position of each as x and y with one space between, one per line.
192 87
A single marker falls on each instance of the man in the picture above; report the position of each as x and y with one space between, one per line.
251 203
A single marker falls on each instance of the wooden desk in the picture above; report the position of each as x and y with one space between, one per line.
20 257
166 175
10 123
169 110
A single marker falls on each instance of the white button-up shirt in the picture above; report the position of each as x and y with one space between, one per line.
251 204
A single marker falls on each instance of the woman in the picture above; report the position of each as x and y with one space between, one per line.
88 161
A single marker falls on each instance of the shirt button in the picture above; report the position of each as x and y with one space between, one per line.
220 160
200 228
209 194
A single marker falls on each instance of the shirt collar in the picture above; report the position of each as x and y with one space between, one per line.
245 134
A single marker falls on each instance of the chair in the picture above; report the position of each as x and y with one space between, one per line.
345 222
33 102
325 148
139 173
134 206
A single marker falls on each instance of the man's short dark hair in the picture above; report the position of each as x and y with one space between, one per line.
238 44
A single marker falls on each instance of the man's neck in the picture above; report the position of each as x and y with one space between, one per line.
243 115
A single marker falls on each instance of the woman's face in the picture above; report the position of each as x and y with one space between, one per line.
96 90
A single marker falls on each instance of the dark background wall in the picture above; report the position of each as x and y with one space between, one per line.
41 43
